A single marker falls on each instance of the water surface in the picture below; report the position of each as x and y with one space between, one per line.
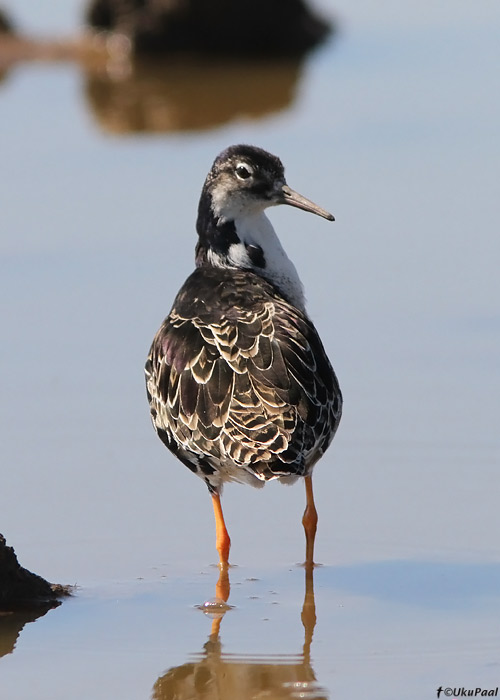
393 126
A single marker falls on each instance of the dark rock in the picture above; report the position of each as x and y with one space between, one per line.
6 26
22 590
219 27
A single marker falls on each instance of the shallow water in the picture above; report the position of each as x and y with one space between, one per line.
393 126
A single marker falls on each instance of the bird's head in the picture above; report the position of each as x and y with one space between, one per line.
245 180
233 230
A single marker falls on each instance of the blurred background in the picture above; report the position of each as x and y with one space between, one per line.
385 114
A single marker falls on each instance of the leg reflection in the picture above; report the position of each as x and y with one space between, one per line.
222 587
308 615
218 606
222 590
227 675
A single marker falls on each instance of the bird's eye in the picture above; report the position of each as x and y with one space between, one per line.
243 171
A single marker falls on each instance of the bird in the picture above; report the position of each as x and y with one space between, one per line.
238 381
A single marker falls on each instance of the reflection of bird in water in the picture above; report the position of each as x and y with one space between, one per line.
215 675
165 95
239 383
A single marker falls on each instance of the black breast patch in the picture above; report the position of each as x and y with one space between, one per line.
256 255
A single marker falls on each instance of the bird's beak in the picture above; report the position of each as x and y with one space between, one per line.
294 199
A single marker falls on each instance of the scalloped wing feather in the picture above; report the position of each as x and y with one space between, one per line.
247 392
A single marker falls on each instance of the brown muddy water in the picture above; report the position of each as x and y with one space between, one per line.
393 126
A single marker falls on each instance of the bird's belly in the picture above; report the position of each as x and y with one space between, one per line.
215 466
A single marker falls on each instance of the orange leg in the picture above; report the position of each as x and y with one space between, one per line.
310 522
222 539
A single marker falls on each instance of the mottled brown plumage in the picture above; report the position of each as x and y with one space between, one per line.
239 381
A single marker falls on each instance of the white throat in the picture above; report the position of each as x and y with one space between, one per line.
256 229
